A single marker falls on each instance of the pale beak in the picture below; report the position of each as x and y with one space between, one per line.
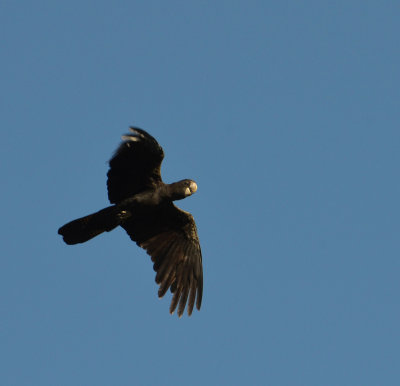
193 187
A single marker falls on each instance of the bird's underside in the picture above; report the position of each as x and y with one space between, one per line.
143 206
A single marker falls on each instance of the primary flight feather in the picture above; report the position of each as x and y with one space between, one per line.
143 206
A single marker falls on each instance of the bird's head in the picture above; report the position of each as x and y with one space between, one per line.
182 189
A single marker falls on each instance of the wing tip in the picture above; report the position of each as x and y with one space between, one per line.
129 138
135 135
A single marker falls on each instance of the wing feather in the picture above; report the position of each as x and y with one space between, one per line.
178 292
166 283
185 279
171 258
192 295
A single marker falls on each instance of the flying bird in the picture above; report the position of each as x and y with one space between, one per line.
143 206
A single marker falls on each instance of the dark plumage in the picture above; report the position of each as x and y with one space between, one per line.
143 206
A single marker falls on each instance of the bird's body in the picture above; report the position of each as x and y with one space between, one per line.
143 206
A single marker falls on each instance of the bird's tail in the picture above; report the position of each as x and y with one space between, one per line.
85 228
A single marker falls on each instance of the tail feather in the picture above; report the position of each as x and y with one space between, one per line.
85 228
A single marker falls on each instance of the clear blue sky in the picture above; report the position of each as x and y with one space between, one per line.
286 114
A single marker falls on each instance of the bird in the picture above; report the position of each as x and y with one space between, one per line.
142 204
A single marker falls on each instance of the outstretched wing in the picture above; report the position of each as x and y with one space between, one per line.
169 236
135 166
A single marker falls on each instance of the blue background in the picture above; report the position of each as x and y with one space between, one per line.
286 114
